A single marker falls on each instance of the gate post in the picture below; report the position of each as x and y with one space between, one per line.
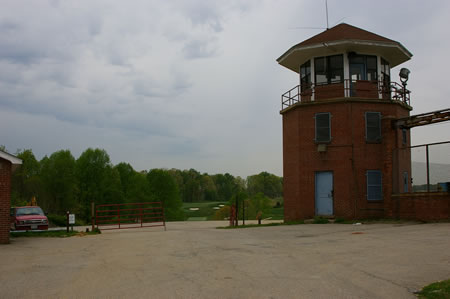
118 215
67 221
93 215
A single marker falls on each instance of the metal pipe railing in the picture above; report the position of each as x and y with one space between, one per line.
346 88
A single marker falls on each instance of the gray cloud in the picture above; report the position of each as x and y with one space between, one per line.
201 13
183 83
199 49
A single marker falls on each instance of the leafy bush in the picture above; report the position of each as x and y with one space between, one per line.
61 220
340 220
320 220
223 213
259 203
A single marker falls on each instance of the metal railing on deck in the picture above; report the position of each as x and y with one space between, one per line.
347 88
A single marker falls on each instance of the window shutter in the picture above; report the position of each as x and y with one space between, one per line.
373 126
323 127
374 185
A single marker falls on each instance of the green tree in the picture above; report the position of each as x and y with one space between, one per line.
111 186
226 186
268 184
126 174
98 182
208 188
58 177
135 187
163 187
26 181
139 190
258 203
191 191
193 186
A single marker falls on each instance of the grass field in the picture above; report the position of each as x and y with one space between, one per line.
276 213
206 211
436 290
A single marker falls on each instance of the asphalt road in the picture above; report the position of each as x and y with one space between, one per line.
195 260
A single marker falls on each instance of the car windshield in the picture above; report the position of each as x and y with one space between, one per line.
29 211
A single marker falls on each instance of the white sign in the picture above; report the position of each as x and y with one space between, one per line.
71 218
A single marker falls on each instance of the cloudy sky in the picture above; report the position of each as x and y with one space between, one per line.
187 84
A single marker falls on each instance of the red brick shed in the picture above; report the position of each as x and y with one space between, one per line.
8 163
338 138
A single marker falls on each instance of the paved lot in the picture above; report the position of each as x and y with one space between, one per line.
195 260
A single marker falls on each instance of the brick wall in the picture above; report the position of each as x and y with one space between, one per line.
5 200
290 166
431 206
348 156
329 91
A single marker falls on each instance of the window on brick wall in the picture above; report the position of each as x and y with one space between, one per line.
323 127
374 185
373 126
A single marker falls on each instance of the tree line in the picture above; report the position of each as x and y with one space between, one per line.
62 183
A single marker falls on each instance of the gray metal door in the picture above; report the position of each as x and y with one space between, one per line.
324 193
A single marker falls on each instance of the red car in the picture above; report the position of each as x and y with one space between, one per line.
28 218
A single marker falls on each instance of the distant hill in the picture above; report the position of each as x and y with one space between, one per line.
438 173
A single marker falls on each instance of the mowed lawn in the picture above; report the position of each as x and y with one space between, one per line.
207 210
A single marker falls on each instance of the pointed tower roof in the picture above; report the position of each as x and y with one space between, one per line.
344 38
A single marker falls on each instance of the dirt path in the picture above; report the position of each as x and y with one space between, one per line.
195 260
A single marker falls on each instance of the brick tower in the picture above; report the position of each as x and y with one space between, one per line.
339 157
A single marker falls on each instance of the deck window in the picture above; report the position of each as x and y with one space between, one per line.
329 69
385 72
363 67
386 79
305 76
323 127
374 185
373 126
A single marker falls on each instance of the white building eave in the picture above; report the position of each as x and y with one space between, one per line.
394 52
13 159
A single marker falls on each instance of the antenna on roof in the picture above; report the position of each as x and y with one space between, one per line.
328 24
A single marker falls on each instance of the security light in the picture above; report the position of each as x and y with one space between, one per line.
404 75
